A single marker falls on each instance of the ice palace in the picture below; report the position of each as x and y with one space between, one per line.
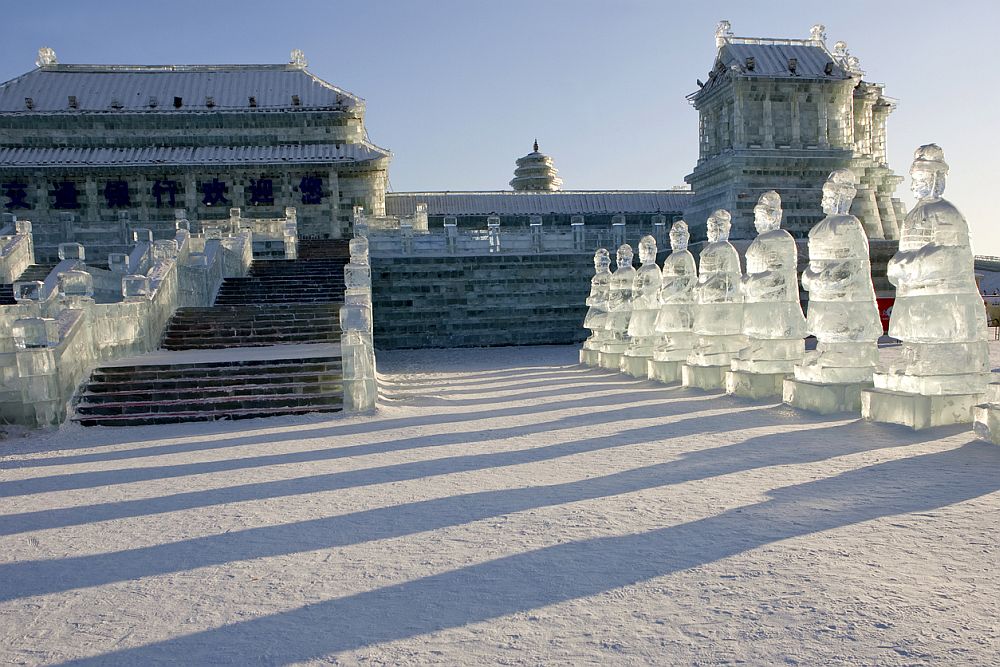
767 433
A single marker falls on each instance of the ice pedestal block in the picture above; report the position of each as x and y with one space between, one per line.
72 251
35 332
986 416
28 291
704 377
76 284
610 360
822 397
916 410
590 357
755 385
664 371
634 366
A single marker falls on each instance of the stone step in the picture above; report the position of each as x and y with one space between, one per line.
255 366
223 343
96 386
150 419
165 395
216 403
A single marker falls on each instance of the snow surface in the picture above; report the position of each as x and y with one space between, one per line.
504 506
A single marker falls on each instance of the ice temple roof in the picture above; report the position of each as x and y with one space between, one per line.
528 203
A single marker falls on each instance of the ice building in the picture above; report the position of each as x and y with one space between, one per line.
86 151
781 114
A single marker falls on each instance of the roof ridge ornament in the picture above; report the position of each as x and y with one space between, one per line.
298 59
723 31
818 33
46 57
535 145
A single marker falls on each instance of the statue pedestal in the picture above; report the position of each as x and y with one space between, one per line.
823 398
704 377
610 360
634 366
664 371
916 410
986 416
590 357
754 385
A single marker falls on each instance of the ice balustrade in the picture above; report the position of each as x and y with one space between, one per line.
17 249
357 347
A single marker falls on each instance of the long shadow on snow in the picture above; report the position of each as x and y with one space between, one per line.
583 568
23 579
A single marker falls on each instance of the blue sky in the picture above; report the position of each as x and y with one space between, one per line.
458 90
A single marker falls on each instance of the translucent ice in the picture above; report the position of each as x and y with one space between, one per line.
597 314
842 313
645 302
938 314
772 317
675 320
619 301
718 318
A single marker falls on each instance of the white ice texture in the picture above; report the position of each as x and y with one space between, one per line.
718 318
675 320
619 302
645 301
597 314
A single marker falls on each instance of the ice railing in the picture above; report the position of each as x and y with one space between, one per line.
17 250
272 237
532 238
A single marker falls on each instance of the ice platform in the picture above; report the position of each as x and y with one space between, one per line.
916 410
590 357
634 366
664 371
611 360
704 377
744 384
823 398
986 416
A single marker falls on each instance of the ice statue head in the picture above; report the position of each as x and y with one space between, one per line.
602 260
718 226
624 256
767 212
679 235
928 172
647 249
839 191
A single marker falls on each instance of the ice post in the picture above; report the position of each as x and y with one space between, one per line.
597 314
772 317
619 310
842 313
645 308
939 315
674 322
718 317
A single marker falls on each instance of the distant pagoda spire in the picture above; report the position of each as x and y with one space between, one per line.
535 173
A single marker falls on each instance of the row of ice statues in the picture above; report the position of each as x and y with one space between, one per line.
713 326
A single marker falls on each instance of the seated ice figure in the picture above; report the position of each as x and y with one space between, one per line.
619 308
842 313
597 315
772 317
718 318
645 308
675 320
939 314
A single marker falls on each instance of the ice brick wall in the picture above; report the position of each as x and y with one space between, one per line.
480 301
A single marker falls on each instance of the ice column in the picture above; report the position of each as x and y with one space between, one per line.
645 308
938 315
619 310
675 320
356 344
597 315
842 313
772 317
718 317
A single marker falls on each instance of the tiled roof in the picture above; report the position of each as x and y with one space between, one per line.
186 155
130 88
528 203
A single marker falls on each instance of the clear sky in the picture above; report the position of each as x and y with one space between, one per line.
458 89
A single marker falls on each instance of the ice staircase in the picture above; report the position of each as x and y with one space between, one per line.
34 272
267 347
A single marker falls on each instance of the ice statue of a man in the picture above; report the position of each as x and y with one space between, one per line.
675 320
597 314
842 313
718 317
619 309
645 308
939 314
772 317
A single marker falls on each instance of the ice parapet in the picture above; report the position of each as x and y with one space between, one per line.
619 307
842 313
718 317
772 317
939 314
597 314
645 305
675 319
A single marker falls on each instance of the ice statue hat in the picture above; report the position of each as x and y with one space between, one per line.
647 249
928 171
679 235
767 213
719 224
839 191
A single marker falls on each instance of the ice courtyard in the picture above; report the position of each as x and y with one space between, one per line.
504 506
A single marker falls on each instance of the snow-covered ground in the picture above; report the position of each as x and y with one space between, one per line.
505 506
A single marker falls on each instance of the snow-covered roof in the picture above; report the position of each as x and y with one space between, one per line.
134 88
189 155
526 203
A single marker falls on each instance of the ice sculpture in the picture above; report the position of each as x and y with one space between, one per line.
597 314
772 317
674 323
645 308
938 315
619 309
356 324
842 313
718 317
